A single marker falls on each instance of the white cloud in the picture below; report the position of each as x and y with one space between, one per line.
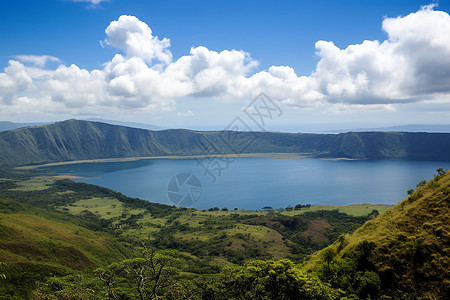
135 38
185 114
411 65
94 3
37 60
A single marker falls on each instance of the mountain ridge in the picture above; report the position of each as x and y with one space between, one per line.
78 140
406 249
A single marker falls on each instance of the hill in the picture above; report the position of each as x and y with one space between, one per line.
51 229
402 254
35 244
79 140
53 233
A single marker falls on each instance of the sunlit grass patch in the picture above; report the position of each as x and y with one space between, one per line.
39 183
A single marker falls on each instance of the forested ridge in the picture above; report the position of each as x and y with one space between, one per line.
80 140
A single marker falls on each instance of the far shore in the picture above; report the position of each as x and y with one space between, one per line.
64 176
125 159
339 158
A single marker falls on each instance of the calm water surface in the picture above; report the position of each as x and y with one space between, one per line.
252 183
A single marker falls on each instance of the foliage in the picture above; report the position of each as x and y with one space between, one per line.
70 287
268 279
353 273
152 274
402 254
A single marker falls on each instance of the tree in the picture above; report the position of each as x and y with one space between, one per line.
328 255
374 213
269 279
298 207
108 276
152 272
70 287
440 171
422 183
354 272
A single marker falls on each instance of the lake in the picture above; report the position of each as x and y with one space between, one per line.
252 183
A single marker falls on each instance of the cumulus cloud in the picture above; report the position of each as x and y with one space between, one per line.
37 60
411 65
135 38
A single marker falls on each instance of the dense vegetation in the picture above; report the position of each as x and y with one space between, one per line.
100 244
79 140
402 254
55 233
65 240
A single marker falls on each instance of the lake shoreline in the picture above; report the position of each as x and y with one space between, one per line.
278 182
127 159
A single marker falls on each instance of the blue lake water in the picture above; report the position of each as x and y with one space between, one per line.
252 183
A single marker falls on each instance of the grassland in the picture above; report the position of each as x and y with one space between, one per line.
135 220
35 246
38 183
79 226
407 247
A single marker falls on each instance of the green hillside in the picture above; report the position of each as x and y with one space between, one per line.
404 253
52 228
35 246
80 140
54 233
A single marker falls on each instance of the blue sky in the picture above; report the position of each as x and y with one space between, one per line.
316 85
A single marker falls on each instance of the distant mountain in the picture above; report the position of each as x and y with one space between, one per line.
5 125
77 140
399 128
402 254
127 124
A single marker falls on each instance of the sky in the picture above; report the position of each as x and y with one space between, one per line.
201 64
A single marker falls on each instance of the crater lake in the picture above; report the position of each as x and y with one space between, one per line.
253 183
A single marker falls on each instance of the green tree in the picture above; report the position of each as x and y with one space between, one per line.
354 273
440 171
152 273
270 279
109 277
328 254
71 287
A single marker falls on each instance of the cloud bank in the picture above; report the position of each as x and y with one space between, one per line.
411 65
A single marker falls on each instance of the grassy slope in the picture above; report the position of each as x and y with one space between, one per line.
212 234
412 254
35 246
